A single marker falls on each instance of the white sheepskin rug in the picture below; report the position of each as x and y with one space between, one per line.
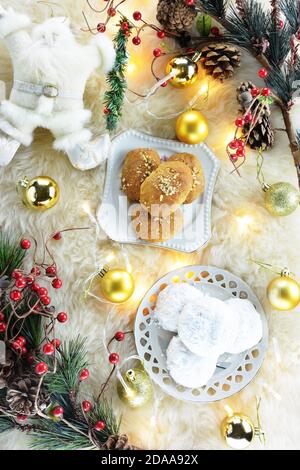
169 424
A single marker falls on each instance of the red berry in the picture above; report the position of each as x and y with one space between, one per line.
106 111
21 340
57 236
2 316
62 317
266 91
16 295
114 358
20 283
136 40
35 287
157 52
161 34
22 418
127 33
248 117
239 122
281 24
58 412
241 152
29 279
35 271
86 406
2 327
137 15
190 3
124 26
30 359
111 11
56 343
234 158
41 368
51 270
215 31
24 351
16 346
99 426
43 291
84 375
45 300
234 144
16 274
241 143
255 92
263 73
56 283
164 84
25 244
101 28
119 336
48 349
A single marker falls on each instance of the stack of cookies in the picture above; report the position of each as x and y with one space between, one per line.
160 188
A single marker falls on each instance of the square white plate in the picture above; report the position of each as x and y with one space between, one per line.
113 214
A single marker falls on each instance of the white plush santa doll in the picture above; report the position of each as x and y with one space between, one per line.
50 73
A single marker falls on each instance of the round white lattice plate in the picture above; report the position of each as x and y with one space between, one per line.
233 372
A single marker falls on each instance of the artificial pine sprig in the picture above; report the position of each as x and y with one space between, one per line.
114 97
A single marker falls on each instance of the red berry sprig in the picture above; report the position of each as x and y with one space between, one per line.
99 426
84 375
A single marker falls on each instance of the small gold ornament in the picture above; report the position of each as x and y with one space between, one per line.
284 292
239 431
137 389
40 193
192 127
281 199
117 285
186 70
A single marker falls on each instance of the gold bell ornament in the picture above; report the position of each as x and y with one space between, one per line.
41 193
239 431
135 387
192 127
186 70
117 285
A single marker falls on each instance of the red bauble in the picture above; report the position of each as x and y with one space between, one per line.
114 358
266 91
51 271
20 283
16 274
62 317
86 406
43 291
2 316
41 368
22 418
56 343
58 412
119 336
57 236
16 295
45 300
48 349
137 15
248 117
215 31
136 40
35 287
84 375
99 426
25 244
157 52
57 283
255 92
240 122
101 28
263 73
161 34
2 327
111 11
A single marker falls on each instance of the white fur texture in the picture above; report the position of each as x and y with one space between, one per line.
170 424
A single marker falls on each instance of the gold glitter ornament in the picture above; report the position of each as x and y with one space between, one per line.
191 127
284 292
281 199
137 389
41 193
117 285
186 69
239 431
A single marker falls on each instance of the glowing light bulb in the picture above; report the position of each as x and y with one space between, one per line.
244 222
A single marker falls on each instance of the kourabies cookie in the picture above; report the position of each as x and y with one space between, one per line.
197 172
170 303
169 185
186 368
138 165
154 228
250 326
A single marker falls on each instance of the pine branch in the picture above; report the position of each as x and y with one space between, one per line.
298 138
11 254
6 424
114 98
216 8
279 44
59 436
291 10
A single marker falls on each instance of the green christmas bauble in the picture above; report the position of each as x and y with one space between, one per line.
137 390
281 199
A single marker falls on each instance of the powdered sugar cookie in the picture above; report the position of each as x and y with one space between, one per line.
186 368
207 326
250 326
170 303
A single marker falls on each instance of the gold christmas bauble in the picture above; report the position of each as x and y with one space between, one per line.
186 70
281 199
238 431
117 285
40 193
137 389
191 127
284 293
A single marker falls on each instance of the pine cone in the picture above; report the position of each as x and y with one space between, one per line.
118 443
175 15
220 60
6 370
22 392
262 135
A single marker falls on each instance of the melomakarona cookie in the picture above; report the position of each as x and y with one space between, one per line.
155 228
197 172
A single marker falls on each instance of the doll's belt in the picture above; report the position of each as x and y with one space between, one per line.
48 90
